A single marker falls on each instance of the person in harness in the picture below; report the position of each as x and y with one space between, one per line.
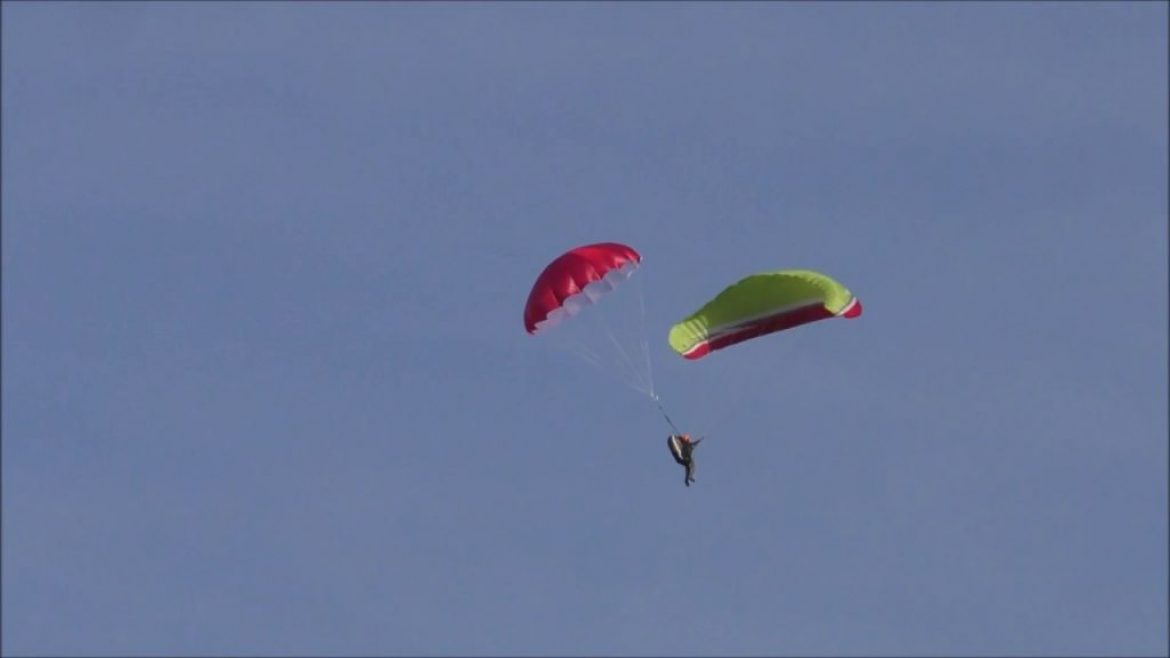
682 448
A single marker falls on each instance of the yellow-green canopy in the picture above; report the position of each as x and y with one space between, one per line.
762 304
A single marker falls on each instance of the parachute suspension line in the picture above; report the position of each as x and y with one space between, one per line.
649 364
631 374
579 349
645 339
629 363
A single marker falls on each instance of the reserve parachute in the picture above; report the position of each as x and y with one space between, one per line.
576 279
569 308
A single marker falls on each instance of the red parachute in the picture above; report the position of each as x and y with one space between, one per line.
579 278
576 279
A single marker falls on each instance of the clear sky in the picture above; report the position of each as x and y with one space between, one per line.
267 389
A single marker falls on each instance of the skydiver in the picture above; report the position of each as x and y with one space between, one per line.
682 449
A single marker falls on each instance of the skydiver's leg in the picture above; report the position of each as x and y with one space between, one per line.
690 472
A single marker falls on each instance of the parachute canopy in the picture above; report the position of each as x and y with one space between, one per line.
762 304
576 279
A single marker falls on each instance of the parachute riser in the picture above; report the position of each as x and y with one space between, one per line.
658 402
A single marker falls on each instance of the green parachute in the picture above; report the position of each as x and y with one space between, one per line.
762 304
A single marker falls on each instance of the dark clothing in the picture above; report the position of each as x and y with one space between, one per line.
682 448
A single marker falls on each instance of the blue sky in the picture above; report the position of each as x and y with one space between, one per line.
267 389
